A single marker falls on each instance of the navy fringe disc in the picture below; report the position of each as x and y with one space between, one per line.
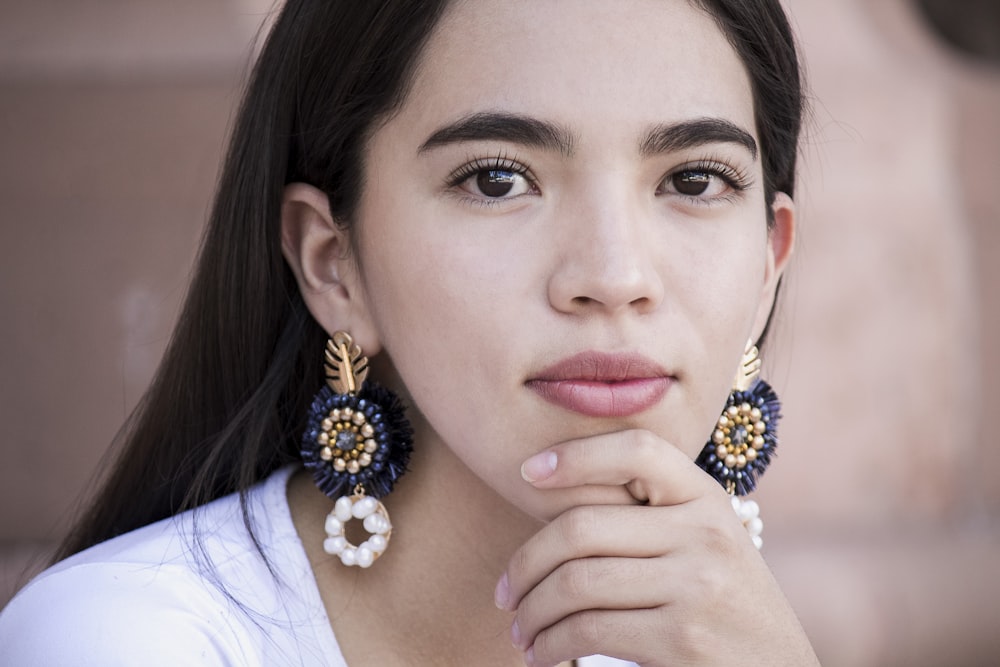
744 440
357 439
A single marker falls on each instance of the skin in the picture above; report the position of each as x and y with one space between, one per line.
567 534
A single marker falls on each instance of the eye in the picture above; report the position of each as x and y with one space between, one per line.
696 183
704 182
493 179
496 183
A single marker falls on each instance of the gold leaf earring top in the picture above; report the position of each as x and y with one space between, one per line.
346 366
749 368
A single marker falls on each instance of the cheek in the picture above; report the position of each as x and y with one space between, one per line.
718 291
443 310
722 280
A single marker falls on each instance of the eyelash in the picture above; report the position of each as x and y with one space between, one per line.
737 179
499 162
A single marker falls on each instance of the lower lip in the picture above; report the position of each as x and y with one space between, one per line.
603 399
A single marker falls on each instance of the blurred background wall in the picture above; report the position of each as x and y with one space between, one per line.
883 511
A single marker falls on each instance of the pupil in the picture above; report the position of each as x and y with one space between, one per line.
692 182
495 183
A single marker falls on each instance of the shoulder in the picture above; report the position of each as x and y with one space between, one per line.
192 589
115 613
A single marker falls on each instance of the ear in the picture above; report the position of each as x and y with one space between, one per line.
318 251
780 243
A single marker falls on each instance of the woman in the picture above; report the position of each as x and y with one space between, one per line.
552 227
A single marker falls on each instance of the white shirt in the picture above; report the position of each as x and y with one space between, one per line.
152 597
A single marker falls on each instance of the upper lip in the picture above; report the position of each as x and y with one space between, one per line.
606 367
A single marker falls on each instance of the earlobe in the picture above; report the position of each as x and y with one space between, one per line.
317 249
780 244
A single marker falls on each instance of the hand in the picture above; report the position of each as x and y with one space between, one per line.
673 581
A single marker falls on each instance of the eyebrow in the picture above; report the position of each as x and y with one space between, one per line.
495 126
692 133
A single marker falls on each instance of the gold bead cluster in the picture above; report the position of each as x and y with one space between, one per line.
346 440
739 435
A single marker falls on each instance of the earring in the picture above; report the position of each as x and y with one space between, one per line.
744 439
357 442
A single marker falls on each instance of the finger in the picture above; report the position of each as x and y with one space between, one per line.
592 531
617 634
652 469
590 584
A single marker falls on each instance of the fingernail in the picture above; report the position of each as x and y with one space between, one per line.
515 635
501 596
539 467
529 657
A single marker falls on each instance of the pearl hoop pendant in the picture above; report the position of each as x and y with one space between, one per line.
749 513
375 520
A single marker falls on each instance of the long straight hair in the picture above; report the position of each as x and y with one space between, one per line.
227 404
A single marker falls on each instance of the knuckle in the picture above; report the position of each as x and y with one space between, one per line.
546 647
578 526
720 533
717 538
710 583
692 640
574 580
585 629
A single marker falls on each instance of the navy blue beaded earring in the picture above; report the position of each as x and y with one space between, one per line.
744 440
357 442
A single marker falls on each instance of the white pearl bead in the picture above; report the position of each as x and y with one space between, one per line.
342 508
376 523
334 545
377 543
365 557
364 507
333 525
349 556
749 510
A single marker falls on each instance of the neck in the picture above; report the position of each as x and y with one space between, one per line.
429 598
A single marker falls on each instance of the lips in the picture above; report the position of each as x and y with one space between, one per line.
598 384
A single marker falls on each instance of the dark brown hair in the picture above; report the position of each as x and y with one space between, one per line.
227 404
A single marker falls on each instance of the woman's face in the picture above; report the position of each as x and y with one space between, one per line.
563 231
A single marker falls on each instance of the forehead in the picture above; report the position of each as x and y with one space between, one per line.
591 65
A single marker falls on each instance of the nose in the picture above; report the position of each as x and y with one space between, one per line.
606 261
